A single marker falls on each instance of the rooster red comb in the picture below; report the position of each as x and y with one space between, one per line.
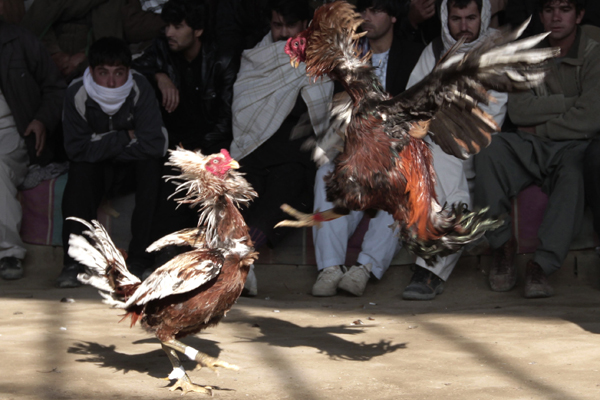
226 155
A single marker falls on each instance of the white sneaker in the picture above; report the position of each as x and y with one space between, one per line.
355 280
327 281
251 285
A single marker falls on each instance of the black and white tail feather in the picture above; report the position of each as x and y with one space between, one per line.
105 267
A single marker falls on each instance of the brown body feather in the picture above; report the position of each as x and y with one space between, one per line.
385 164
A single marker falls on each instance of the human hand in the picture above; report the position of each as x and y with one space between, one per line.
37 128
170 94
131 133
67 63
420 10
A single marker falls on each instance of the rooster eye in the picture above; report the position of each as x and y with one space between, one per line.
215 161
295 44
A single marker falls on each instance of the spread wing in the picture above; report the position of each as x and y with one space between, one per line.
445 103
331 142
193 237
182 274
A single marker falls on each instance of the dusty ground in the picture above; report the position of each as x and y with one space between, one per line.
469 343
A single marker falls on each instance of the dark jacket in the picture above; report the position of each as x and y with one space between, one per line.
31 84
218 75
93 136
403 57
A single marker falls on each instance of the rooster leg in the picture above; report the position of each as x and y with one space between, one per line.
308 219
202 359
183 380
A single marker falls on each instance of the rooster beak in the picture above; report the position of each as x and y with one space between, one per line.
234 164
294 62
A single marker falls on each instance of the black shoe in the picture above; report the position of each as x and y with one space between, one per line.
68 276
536 282
503 272
424 285
11 268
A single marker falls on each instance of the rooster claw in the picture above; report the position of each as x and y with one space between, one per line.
187 387
303 219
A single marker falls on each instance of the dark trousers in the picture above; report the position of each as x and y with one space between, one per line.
591 171
88 183
516 160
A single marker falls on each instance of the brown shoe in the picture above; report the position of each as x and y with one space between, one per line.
503 273
536 282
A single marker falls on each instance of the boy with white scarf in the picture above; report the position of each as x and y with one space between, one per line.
111 121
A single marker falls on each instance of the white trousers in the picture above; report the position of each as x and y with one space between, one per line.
451 187
379 245
13 169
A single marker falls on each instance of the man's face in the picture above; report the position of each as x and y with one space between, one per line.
181 36
110 76
560 18
464 22
376 23
280 30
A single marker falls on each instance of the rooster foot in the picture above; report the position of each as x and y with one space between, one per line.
213 363
302 218
186 386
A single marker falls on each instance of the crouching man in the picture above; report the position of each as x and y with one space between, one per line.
112 124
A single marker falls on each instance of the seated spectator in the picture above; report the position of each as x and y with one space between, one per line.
68 27
393 57
31 98
419 21
555 124
111 122
240 24
272 100
468 19
194 82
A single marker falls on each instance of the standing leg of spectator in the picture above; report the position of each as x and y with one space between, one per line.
330 240
564 212
451 188
81 198
507 166
147 181
284 184
380 244
591 171
13 168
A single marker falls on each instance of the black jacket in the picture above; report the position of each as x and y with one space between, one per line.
31 84
218 75
403 57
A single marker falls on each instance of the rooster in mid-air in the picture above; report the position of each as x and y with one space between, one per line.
385 164
195 289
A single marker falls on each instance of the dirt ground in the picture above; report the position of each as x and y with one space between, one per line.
469 343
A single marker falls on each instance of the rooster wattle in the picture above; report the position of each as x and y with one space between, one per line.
385 164
195 289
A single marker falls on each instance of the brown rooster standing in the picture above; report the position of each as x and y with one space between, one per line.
385 163
195 289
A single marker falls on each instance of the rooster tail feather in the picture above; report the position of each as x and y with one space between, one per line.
458 227
105 267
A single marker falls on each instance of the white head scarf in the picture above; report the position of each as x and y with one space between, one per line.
484 30
109 99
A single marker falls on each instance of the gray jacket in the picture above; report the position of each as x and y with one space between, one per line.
567 106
